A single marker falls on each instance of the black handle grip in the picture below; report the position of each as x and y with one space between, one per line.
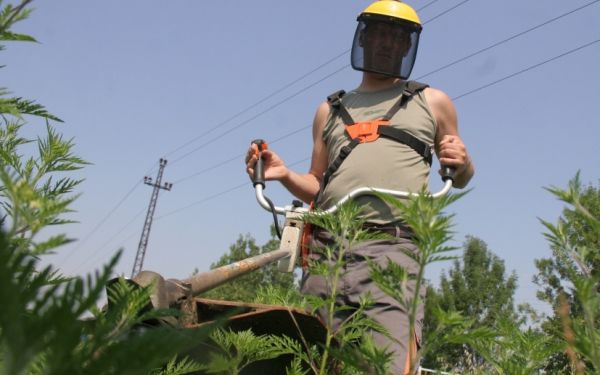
259 167
448 173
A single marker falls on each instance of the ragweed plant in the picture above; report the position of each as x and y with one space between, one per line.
432 229
50 324
234 351
581 335
347 347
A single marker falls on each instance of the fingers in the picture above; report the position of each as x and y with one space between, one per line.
252 152
448 139
250 159
452 152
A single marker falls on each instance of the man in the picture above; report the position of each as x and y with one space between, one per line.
350 150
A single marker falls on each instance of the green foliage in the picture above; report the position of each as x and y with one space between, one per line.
571 279
574 242
260 285
432 230
18 107
32 195
568 342
345 347
507 348
348 344
278 295
178 366
42 329
50 324
237 350
476 287
348 348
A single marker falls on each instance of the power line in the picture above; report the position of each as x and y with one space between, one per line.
514 36
258 114
527 69
459 60
446 66
240 156
101 222
290 96
454 98
96 228
211 197
259 102
221 193
446 11
288 85
427 5
99 249
480 88
432 72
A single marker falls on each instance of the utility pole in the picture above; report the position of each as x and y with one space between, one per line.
141 252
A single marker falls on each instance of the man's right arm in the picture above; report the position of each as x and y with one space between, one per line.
303 186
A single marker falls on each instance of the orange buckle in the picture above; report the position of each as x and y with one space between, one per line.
366 131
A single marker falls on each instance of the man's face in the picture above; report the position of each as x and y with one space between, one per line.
385 45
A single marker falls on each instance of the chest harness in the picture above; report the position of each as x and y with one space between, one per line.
363 132
369 131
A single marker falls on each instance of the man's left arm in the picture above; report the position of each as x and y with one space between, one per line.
449 147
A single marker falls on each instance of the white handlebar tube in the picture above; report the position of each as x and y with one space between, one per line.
354 193
395 193
260 197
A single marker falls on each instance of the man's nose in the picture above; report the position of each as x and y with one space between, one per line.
385 39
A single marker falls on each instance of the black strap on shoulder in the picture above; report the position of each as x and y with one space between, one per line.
410 89
335 100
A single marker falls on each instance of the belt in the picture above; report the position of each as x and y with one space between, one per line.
399 230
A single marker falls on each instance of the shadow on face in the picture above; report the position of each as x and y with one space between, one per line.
385 45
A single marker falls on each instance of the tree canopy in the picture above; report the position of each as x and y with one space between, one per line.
246 287
478 288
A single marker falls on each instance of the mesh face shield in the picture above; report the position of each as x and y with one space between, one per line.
385 46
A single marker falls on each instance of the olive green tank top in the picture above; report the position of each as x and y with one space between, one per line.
384 163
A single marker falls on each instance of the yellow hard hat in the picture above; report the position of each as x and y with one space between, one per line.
395 10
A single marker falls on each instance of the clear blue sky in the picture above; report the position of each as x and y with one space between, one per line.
139 80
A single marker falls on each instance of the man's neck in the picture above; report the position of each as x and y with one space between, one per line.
377 82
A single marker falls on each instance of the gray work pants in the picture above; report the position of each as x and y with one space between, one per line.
356 281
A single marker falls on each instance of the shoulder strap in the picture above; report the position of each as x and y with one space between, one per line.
410 89
335 100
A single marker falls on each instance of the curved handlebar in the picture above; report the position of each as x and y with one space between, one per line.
447 177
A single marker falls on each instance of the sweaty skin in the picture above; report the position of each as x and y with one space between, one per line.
449 147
